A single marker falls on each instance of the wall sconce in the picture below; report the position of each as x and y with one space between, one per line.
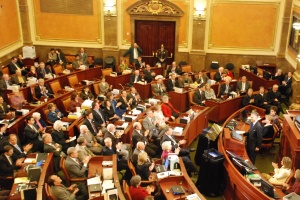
109 8
199 14
296 26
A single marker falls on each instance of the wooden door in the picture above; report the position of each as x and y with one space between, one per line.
149 35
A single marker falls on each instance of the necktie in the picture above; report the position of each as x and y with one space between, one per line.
17 66
10 160
94 128
17 147
251 125
100 116
40 138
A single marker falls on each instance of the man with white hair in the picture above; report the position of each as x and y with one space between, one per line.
125 149
91 142
42 90
138 135
226 88
17 78
4 82
218 75
140 147
39 122
135 77
274 98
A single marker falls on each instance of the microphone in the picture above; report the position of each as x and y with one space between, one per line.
121 86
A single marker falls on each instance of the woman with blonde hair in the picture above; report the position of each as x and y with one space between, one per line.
209 92
144 166
281 174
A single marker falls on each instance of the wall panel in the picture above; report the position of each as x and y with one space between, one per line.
243 25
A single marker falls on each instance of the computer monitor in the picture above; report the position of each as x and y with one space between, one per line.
267 188
253 69
233 155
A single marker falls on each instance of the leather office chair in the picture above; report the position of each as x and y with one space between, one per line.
96 88
46 111
126 191
69 67
10 95
58 69
6 182
191 97
106 71
73 81
69 180
55 87
186 68
48 192
268 143
66 102
5 70
32 90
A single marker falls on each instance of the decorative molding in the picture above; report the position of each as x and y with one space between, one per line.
154 7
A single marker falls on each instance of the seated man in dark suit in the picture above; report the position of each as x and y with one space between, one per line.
18 150
201 77
168 136
18 79
74 167
173 69
60 192
242 86
286 84
3 136
172 82
99 117
140 64
279 76
199 95
140 147
261 99
55 148
185 80
225 88
218 75
4 82
138 135
13 67
43 90
135 77
274 98
136 99
42 71
93 126
249 99
3 108
109 150
8 165
32 136
148 74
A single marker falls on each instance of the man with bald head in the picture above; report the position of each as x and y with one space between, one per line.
173 69
274 98
218 75
242 86
140 147
4 82
225 88
83 57
135 51
135 77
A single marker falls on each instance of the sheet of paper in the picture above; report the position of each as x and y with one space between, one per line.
95 180
72 138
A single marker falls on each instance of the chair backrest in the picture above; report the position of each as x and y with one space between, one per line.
73 80
106 71
131 167
191 97
46 111
66 101
96 88
48 192
69 67
58 69
32 90
63 168
126 191
186 68
55 86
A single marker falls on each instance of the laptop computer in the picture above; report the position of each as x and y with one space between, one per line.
41 156
95 188
177 190
268 189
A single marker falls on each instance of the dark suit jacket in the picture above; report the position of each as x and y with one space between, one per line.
41 73
60 138
113 139
260 99
3 84
246 100
15 80
166 138
108 152
134 102
98 118
147 75
267 131
132 79
123 106
6 169
239 86
280 78
131 52
198 98
74 169
12 68
288 81
204 78
170 86
3 112
85 96
31 136
136 137
90 127
177 71
17 154
223 88
38 93
254 137
271 96
138 65
143 171
218 77
52 116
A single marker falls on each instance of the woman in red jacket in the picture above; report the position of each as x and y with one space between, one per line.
168 109
136 191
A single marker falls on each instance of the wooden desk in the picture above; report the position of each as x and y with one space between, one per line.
95 165
31 61
224 108
47 170
180 101
257 81
184 181
117 80
237 187
290 142
269 67
143 90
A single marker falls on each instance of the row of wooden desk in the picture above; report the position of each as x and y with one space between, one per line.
237 186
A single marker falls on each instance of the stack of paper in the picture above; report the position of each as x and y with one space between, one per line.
94 180
178 130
